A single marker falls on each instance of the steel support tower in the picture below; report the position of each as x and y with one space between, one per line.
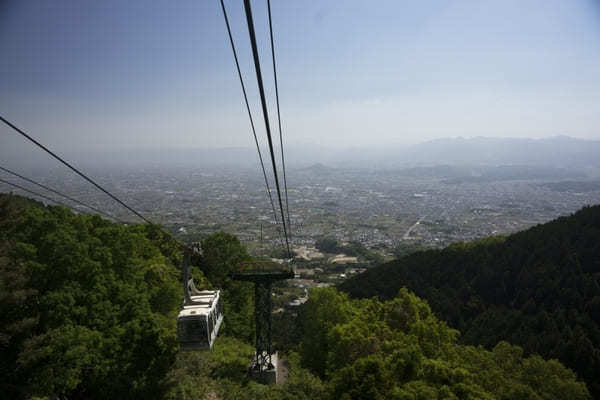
263 304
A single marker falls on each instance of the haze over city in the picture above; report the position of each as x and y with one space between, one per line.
121 75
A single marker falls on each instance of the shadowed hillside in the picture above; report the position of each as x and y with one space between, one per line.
538 288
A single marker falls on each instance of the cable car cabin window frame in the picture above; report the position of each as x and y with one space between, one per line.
201 314
192 332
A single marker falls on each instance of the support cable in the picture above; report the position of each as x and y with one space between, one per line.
61 194
15 128
90 180
252 34
70 207
34 193
237 65
287 202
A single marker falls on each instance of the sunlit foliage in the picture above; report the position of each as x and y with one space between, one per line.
538 289
87 306
398 349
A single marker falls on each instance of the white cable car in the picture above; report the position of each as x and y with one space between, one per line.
199 321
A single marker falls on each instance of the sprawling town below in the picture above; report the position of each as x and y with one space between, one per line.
386 212
380 209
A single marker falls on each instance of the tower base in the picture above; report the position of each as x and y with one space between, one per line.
265 374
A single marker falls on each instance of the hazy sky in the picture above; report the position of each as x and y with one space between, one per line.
109 73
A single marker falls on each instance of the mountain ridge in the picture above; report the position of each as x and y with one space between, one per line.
538 288
558 151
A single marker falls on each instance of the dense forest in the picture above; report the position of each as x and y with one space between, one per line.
538 289
86 305
88 308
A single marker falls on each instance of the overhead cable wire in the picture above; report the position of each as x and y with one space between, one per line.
84 176
60 194
66 205
34 193
287 203
237 65
90 180
261 89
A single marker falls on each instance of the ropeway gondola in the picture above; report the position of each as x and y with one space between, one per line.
201 316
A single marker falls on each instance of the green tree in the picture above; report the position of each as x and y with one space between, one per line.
398 349
223 254
326 308
537 288
327 244
88 306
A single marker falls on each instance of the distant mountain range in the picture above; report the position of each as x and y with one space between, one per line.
559 151
452 174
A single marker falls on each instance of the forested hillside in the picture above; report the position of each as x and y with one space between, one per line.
539 289
88 309
398 349
86 305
